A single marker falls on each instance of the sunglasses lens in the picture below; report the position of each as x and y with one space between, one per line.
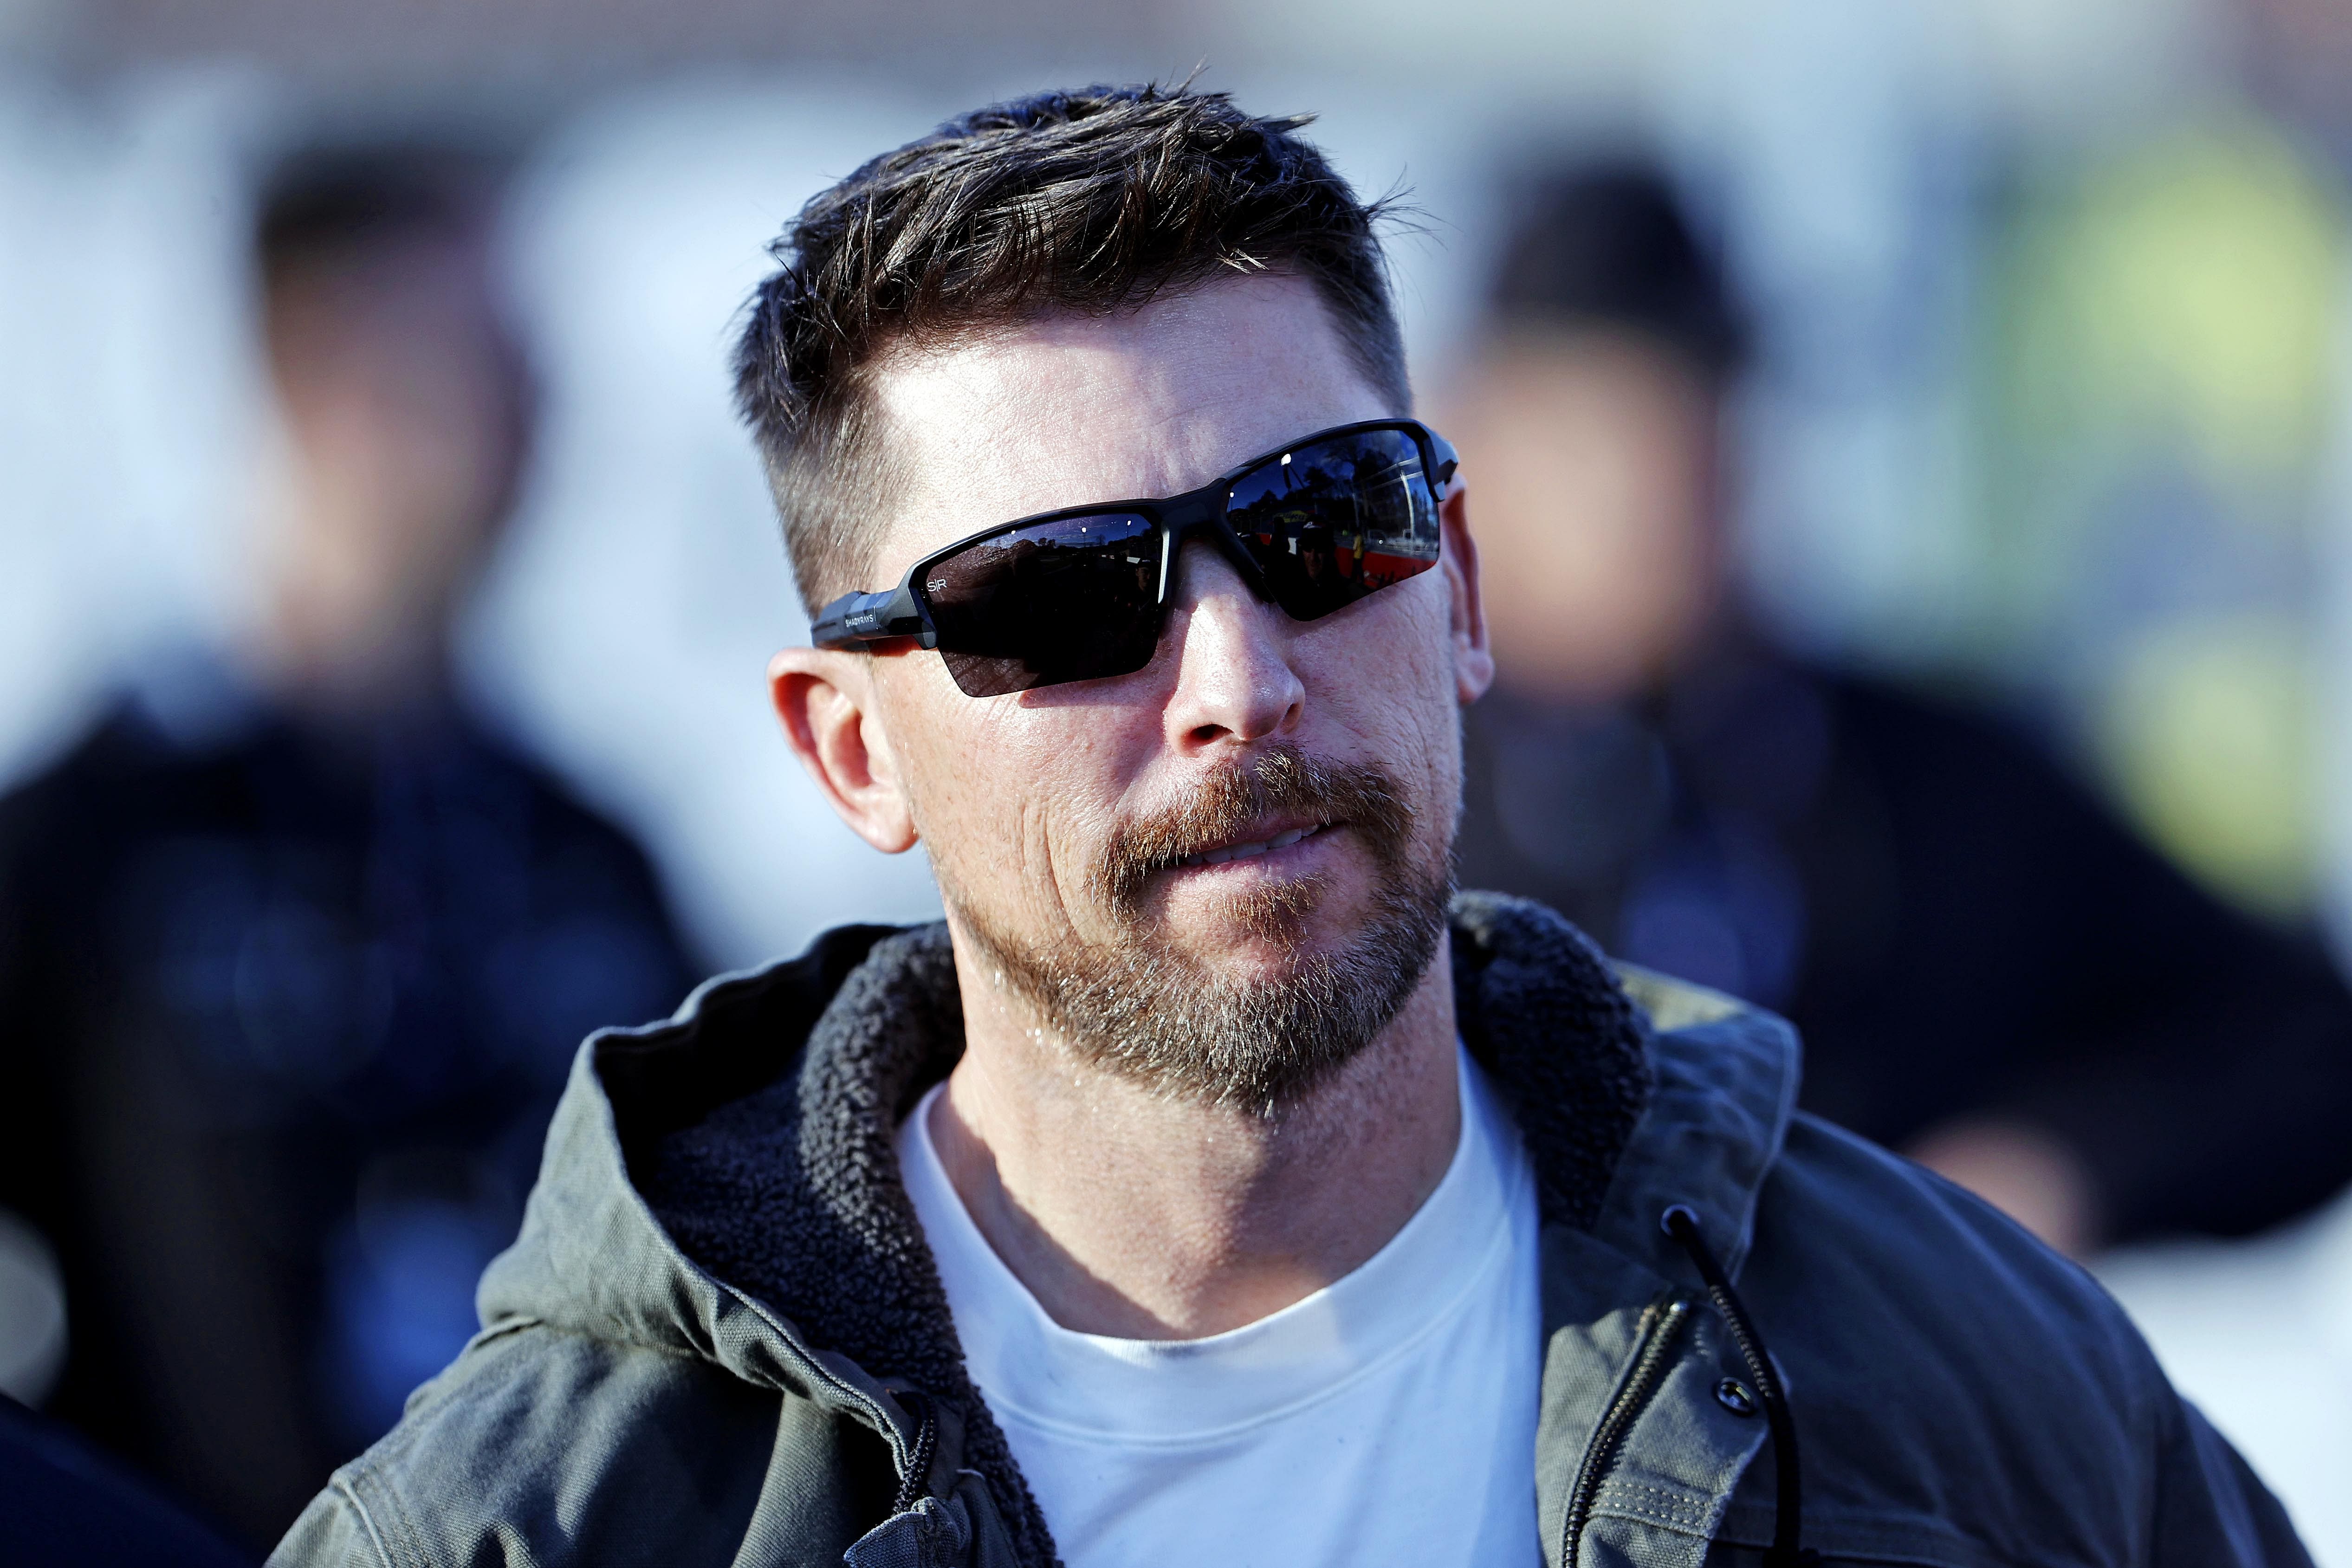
1337 518
1076 598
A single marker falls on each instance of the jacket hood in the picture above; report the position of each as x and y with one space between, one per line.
725 1184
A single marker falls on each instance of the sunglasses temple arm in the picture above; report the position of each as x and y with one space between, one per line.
1449 463
854 620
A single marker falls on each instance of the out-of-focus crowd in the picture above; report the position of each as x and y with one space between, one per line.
293 968
296 946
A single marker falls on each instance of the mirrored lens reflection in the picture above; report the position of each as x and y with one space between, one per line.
1337 519
1077 598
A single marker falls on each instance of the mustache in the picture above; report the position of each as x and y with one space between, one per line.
1281 781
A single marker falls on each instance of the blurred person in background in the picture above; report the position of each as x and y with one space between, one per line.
291 976
1988 970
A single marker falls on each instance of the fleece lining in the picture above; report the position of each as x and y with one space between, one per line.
791 1192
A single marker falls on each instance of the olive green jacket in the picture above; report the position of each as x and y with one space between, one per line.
720 1339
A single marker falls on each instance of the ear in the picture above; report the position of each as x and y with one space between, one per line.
1473 661
825 700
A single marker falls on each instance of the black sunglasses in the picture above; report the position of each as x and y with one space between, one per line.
1082 593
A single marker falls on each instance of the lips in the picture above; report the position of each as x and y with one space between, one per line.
1251 848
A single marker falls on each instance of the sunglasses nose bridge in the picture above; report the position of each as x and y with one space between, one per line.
1212 528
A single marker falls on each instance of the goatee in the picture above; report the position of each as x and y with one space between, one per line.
1141 1007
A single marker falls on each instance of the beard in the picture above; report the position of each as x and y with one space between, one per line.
1142 1007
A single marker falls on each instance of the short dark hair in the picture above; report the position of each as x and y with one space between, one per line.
1092 200
1609 244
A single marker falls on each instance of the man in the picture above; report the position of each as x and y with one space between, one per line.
289 976
1990 973
1211 1187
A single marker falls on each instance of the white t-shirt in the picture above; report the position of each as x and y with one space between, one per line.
1388 1418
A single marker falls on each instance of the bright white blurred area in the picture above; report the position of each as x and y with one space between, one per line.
1939 212
626 631
130 392
2259 1333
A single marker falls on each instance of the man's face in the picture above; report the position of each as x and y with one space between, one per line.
1080 832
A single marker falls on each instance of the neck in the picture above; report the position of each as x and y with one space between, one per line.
1132 1214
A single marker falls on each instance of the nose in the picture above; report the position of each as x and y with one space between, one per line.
1235 682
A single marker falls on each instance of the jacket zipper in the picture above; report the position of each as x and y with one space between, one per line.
901 1451
1649 1366
915 1483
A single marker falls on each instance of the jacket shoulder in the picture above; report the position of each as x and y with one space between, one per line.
538 1443
1877 1233
1944 1366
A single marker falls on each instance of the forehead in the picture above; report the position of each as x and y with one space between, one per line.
1070 409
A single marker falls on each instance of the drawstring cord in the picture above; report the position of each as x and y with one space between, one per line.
1789 1509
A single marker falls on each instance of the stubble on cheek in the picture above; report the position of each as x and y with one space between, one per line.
1011 837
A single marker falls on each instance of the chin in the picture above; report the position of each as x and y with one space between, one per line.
1272 927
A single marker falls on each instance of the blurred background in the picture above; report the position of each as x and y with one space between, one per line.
1914 448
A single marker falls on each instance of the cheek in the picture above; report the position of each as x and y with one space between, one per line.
1011 800
1381 674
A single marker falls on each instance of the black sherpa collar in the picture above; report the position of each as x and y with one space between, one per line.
790 1189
